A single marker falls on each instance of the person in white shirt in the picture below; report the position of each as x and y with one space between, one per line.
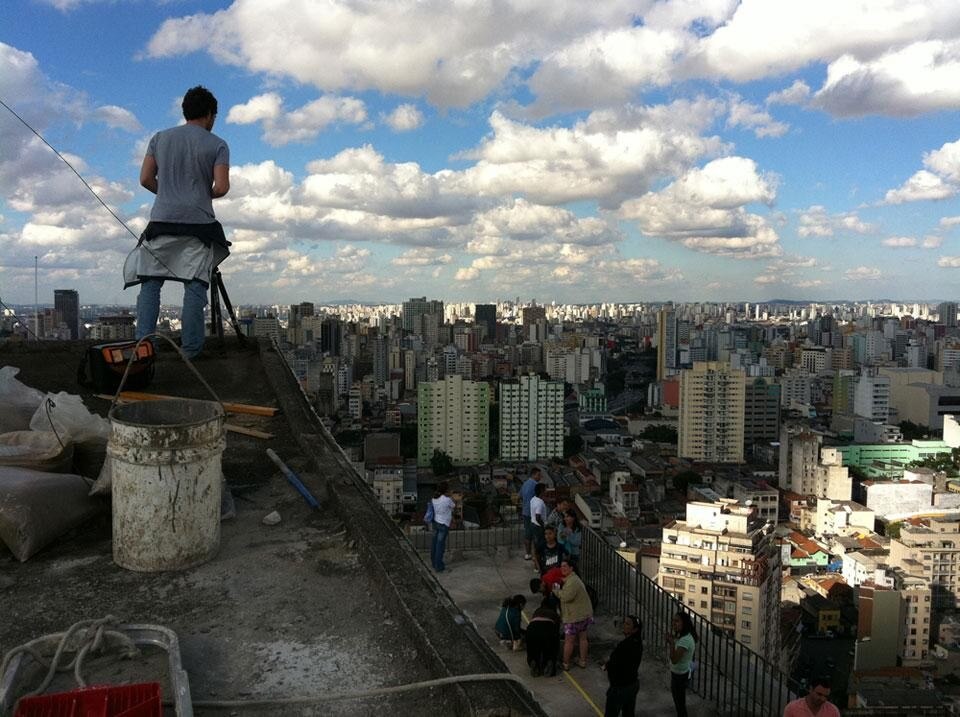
443 506
538 520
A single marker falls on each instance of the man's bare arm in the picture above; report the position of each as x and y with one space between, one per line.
221 180
148 173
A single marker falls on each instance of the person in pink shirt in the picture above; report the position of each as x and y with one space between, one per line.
815 704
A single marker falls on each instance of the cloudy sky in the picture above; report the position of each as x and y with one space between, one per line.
470 150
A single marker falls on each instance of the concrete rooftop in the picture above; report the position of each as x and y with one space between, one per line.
328 601
478 580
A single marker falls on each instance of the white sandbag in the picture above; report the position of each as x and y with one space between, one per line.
37 508
36 451
65 414
18 402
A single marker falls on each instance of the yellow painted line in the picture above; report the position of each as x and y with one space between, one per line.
572 680
584 694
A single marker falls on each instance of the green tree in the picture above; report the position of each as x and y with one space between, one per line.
572 445
914 431
660 434
440 463
893 529
684 478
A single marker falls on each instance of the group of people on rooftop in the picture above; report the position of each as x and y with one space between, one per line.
558 629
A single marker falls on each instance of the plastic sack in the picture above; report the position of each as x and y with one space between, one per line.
64 414
18 402
35 450
37 508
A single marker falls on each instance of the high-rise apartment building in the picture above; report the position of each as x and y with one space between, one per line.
666 343
761 411
414 312
931 549
871 398
66 308
894 622
722 562
531 419
381 359
294 321
453 415
532 314
331 335
485 315
710 426
947 311
799 459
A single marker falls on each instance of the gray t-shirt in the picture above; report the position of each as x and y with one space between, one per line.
185 157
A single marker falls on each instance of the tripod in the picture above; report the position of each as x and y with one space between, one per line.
217 289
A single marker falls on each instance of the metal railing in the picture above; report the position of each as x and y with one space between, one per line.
504 534
728 674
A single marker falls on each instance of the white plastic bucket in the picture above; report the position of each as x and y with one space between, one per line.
166 469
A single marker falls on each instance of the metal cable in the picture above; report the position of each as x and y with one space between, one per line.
91 189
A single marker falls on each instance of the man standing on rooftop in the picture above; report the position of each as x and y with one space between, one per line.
527 491
187 167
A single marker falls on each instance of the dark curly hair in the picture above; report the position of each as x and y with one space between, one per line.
198 102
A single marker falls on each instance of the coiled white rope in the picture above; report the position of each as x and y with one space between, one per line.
81 638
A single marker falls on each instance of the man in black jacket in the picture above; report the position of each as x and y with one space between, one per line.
622 668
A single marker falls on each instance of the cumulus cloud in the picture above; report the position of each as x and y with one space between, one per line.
922 185
815 221
704 210
796 94
949 262
606 157
118 117
940 179
420 257
281 126
585 55
355 46
750 116
404 118
863 273
931 242
908 81
949 222
899 242
603 67
523 266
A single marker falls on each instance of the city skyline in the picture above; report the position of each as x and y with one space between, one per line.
632 152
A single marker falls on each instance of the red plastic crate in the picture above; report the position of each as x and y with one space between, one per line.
142 700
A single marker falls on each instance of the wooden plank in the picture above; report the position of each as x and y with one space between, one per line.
232 427
243 430
245 408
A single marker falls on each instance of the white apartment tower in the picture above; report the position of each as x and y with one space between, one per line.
531 419
722 563
453 415
871 399
712 397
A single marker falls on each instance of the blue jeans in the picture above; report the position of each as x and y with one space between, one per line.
192 329
438 546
